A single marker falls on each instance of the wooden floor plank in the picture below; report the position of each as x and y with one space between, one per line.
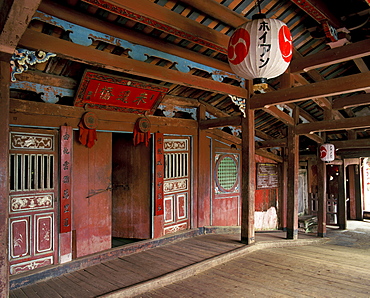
75 286
45 291
18 293
103 272
59 289
30 292
182 252
131 277
171 258
297 271
326 271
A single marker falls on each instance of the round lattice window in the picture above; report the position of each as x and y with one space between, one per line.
227 173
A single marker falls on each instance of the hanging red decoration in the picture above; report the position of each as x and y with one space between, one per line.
327 152
88 125
142 131
260 49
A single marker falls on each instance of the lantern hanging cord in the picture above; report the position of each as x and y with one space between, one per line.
259 6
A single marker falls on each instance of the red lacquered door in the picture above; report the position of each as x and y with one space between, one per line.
33 199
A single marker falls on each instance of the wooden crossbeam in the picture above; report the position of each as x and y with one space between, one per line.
330 125
91 56
329 57
332 87
352 144
220 122
135 37
351 101
156 16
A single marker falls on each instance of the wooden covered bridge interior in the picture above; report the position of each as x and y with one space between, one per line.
50 49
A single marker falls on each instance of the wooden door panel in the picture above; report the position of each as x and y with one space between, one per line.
33 160
44 232
182 206
20 237
176 186
169 211
92 195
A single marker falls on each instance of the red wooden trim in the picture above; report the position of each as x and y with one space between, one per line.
159 175
65 178
4 174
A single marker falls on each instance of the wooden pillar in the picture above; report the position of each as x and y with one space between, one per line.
358 193
342 208
203 195
283 192
293 181
4 176
322 198
248 176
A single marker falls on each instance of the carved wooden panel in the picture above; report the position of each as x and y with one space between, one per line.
19 203
33 199
176 184
30 265
44 232
182 206
168 209
19 237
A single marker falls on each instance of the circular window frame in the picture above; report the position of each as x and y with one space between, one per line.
218 163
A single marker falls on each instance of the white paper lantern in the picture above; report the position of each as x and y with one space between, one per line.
327 152
260 49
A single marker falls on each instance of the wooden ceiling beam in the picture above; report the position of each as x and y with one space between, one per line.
331 87
319 11
220 122
279 114
91 56
135 37
351 144
272 143
14 19
219 11
158 17
333 125
329 57
351 101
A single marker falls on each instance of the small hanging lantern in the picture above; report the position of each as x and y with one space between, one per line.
260 49
327 152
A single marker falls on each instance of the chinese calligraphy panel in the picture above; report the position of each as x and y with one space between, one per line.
114 93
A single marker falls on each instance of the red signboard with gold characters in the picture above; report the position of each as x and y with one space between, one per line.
109 92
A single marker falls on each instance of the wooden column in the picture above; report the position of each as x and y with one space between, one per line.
358 194
248 177
283 192
4 176
322 198
342 208
202 207
293 181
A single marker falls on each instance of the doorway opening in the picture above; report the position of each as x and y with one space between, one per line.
131 193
